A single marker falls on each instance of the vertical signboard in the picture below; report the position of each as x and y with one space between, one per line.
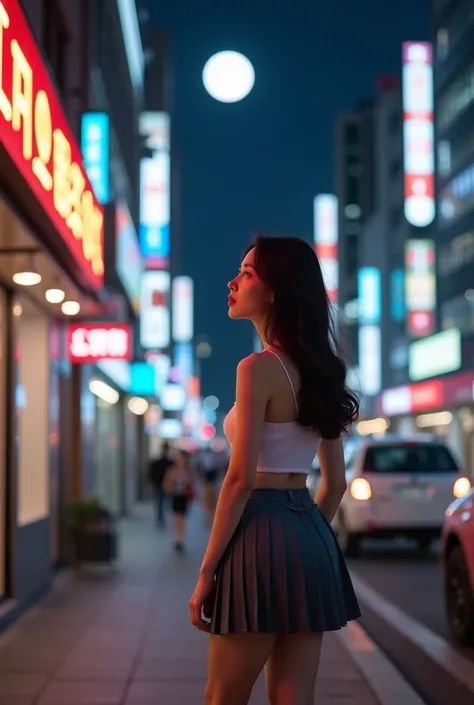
182 309
155 312
418 133
370 360
95 151
326 241
369 295
155 190
420 287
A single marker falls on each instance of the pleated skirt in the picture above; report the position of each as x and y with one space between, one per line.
283 571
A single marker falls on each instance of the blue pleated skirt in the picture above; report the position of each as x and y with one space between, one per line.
283 571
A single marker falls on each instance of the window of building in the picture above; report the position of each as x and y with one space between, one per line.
452 154
455 255
454 30
55 37
352 133
395 121
352 251
456 99
457 198
458 312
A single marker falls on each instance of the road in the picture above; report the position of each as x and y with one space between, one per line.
411 581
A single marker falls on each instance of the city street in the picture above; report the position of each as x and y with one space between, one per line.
401 590
122 636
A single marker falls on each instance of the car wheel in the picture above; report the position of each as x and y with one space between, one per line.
459 598
349 543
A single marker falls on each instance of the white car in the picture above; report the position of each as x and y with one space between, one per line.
398 487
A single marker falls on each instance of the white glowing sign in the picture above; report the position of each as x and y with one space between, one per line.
182 322
418 133
325 241
155 313
89 343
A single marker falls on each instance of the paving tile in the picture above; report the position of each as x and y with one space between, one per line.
166 692
171 668
25 684
81 692
123 637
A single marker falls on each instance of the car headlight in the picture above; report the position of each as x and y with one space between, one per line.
360 489
461 487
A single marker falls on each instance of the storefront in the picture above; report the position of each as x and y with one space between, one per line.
442 406
51 268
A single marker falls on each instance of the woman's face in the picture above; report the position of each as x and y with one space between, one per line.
249 297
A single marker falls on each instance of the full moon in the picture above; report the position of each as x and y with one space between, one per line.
228 76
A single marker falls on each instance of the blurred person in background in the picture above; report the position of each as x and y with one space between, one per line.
179 485
208 468
156 473
273 578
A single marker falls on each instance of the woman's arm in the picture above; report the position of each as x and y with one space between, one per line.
252 394
333 473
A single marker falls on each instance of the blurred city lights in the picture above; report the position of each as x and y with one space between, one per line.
211 403
207 432
203 350
138 405
228 76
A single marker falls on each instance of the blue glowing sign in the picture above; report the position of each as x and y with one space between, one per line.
142 379
369 295
397 295
95 147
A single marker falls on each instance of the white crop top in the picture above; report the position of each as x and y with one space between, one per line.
285 447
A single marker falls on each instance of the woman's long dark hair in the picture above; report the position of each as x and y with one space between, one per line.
299 321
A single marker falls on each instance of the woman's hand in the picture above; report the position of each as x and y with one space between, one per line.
202 602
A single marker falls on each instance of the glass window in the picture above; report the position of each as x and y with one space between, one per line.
3 483
32 408
457 198
456 255
456 99
458 312
454 29
409 457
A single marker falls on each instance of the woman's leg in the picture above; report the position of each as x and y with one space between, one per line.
235 662
179 519
291 670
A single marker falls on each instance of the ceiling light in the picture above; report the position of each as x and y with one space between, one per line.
54 296
138 405
17 310
27 278
103 391
71 308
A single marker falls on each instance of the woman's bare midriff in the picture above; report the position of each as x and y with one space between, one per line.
281 480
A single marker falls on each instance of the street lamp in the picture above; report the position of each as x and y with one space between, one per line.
228 76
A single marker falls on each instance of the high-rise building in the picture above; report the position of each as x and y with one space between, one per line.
454 97
354 191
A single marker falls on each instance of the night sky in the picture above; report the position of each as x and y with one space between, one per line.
259 163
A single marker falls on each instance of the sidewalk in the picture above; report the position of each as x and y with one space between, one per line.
123 637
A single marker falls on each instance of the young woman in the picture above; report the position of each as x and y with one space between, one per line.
179 484
273 579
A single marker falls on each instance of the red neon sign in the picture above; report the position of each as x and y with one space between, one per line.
101 341
35 133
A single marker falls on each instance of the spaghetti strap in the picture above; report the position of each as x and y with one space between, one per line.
288 376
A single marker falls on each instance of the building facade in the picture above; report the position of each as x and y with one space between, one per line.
63 303
354 156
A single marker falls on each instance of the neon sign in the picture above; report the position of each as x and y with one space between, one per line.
418 133
35 133
103 341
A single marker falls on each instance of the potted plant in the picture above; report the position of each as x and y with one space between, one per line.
93 531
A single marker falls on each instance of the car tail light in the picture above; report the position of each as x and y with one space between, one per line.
361 489
461 487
